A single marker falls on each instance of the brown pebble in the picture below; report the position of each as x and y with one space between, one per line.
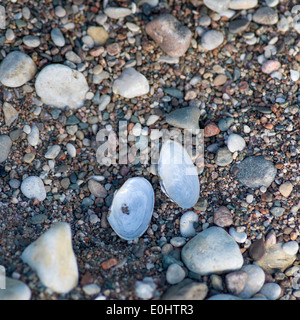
223 217
285 189
220 80
211 130
257 249
109 263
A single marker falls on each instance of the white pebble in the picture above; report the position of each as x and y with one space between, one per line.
239 237
187 221
295 75
71 150
235 143
271 291
145 289
290 247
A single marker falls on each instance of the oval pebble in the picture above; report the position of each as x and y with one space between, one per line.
235 143
239 237
33 188
175 274
290 247
187 222
255 281
271 291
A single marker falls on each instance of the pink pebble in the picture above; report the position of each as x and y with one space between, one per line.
270 66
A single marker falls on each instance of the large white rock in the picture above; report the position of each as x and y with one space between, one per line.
15 290
33 188
16 69
53 258
131 84
212 251
61 86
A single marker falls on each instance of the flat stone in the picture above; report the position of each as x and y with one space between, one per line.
53 152
238 25
16 69
175 274
255 281
172 37
257 249
270 66
186 290
212 39
10 113
220 79
185 118
57 37
33 188
223 157
5 146
212 251
255 172
61 86
97 189
266 16
52 257
117 13
242 4
31 41
217 5
131 84
99 34
15 290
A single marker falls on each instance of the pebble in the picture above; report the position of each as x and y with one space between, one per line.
257 249
91 289
175 274
236 281
235 143
61 86
5 146
272 291
53 152
2 17
57 37
270 66
265 16
187 224
71 150
185 118
97 189
10 113
223 157
177 242
295 75
33 188
186 290
217 5
16 69
256 171
52 257
15 290
238 25
211 130
242 4
145 289
223 217
152 119
277 211
212 39
10 35
272 3
255 281
172 37
239 237
290 247
225 123
117 13
29 157
98 34
220 79
31 41
33 136
131 84
221 253
286 189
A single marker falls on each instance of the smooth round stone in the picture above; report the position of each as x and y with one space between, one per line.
53 152
5 146
235 143
272 291
172 37
61 86
212 251
175 274
53 258
242 4
266 16
91 289
224 296
31 41
236 281
33 136
71 150
117 13
145 289
270 66
185 118
255 281
217 5
255 172
187 222
131 84
15 290
9 35
57 37
223 157
212 39
177 242
277 211
272 3
223 217
16 69
33 188
97 189
238 25
290 247
239 237
99 34
285 189
225 123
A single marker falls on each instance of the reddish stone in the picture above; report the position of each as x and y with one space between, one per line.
211 130
109 263
270 66
223 217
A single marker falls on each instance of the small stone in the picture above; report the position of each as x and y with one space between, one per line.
113 49
14 290
235 143
185 118
91 289
152 119
242 4
217 5
53 152
31 41
175 274
223 217
271 239
266 16
272 291
239 237
5 146
16 69
238 25
255 281
108 264
211 130
65 183
2 17
29 157
60 11
57 37
186 290
172 37
131 84
10 113
33 188
225 123
145 289
10 35
223 157
290 247
220 79
71 150
117 13
236 281
295 75
277 211
285 189
270 66
33 136
177 242
272 3
97 189
212 39
257 249
73 57
99 34
52 257
61 86
187 224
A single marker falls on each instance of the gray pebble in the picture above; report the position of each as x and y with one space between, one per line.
175 274
57 37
